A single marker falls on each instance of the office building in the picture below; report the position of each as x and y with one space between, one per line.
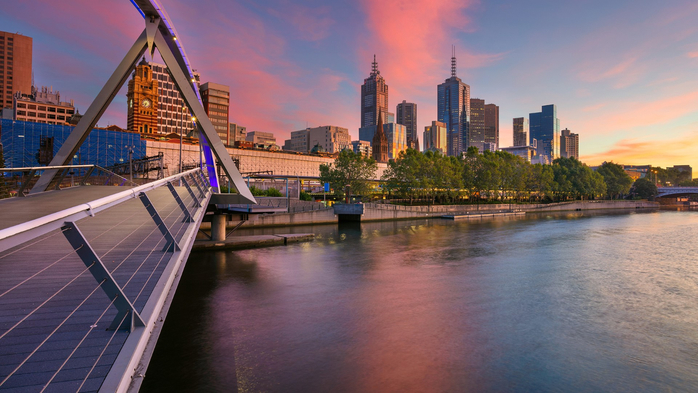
545 128
397 139
521 132
528 153
236 133
435 137
42 106
476 136
261 138
331 139
362 147
453 108
686 170
15 67
406 113
216 100
374 98
172 114
492 125
569 144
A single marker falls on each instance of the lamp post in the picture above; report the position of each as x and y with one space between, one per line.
130 162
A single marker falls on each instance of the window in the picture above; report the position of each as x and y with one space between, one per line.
42 115
42 108
32 114
60 110
51 109
32 107
50 116
20 105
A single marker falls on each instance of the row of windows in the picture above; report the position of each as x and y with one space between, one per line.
44 108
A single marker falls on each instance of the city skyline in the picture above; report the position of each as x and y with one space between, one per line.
621 76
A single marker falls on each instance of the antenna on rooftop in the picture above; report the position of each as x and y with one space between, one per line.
375 66
453 60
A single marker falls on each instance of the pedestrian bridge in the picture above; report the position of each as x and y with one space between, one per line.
87 273
676 191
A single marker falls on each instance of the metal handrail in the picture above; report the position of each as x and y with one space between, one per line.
31 171
20 233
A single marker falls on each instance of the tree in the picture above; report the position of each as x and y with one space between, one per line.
617 181
351 169
644 189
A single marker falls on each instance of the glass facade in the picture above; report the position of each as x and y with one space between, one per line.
454 109
545 129
21 140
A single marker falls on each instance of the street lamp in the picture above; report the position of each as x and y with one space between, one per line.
130 162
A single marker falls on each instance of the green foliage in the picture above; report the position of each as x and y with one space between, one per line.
305 196
617 181
488 177
351 169
689 183
256 191
644 188
273 192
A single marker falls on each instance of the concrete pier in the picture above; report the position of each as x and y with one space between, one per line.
243 242
218 224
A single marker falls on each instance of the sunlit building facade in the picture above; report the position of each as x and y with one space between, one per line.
15 67
374 98
435 137
569 144
545 128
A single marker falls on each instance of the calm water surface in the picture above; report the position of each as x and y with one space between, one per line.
566 302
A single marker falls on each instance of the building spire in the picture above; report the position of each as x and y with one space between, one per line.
375 66
453 60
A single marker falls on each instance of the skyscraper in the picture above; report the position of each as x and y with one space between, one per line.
545 128
454 109
379 145
492 125
374 97
216 99
15 67
476 136
435 137
521 132
407 116
569 144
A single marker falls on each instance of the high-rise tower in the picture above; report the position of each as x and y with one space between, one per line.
454 109
545 129
15 67
406 114
374 97
521 132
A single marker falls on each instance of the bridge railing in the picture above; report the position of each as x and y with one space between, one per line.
21 180
130 252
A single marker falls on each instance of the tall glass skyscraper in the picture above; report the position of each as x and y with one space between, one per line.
545 128
454 110
374 98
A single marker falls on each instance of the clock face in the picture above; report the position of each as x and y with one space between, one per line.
146 103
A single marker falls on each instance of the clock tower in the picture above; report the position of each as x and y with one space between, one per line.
142 100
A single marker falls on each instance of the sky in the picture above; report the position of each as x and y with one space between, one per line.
623 74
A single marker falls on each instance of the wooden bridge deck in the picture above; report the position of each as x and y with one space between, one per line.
53 313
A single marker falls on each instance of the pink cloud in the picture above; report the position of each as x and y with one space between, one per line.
412 39
692 55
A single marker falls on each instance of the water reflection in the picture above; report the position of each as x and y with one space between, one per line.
547 302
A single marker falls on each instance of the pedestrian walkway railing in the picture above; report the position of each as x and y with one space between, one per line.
18 181
133 265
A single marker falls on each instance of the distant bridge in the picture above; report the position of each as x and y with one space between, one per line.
676 191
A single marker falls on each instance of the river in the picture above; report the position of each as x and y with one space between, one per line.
548 302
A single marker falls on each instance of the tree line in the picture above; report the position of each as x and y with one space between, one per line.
489 176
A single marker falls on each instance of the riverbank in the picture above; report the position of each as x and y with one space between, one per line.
388 212
256 241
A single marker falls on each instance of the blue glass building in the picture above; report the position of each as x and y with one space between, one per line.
544 127
21 140
454 109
